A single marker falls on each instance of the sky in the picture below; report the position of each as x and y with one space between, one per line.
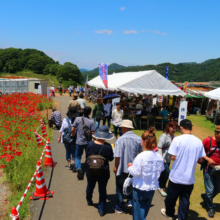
127 32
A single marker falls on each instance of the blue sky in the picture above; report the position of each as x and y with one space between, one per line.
128 32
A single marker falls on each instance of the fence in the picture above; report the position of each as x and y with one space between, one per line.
15 210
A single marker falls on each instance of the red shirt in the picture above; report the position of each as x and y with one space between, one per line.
216 156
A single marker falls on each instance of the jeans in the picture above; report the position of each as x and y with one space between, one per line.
119 189
70 149
141 203
108 119
97 124
79 152
102 184
183 192
212 188
116 131
164 176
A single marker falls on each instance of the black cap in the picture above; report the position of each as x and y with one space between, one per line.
186 123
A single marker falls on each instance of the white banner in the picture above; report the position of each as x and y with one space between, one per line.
182 111
114 101
39 90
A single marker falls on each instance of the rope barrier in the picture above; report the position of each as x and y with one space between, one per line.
25 193
15 215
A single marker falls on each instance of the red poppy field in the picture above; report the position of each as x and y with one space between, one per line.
19 152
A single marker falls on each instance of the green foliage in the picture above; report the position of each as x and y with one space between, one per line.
13 60
69 71
192 72
51 69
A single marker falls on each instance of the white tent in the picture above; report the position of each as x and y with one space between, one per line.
143 82
214 94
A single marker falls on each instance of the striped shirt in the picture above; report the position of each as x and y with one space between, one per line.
57 117
127 148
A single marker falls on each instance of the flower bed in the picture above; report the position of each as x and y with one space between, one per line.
19 117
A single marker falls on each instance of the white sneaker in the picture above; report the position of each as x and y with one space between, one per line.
163 212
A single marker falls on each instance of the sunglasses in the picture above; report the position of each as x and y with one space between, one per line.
217 132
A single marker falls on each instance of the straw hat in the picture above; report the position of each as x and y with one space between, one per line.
217 128
127 124
74 94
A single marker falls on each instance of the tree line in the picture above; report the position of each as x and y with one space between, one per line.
192 72
13 60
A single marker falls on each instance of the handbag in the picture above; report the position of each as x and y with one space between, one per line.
213 172
117 124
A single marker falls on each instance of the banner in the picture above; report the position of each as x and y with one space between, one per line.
103 72
114 101
167 73
160 98
87 80
182 111
185 86
39 90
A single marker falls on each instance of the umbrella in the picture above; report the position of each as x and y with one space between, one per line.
111 96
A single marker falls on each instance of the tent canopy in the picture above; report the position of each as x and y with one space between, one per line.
143 82
214 94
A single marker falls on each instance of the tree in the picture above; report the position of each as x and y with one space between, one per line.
69 71
51 69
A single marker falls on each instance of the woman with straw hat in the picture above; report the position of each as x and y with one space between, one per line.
99 147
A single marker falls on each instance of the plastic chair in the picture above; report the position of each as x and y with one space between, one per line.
132 117
146 121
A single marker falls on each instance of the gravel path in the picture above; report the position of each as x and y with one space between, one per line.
69 199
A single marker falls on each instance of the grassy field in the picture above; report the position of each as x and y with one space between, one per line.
52 79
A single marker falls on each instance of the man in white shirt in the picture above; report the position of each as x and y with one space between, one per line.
82 103
186 151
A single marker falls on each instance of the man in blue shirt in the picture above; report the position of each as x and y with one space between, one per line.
55 119
127 148
81 142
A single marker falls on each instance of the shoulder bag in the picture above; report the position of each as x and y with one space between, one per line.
87 131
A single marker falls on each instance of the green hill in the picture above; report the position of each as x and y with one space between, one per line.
193 72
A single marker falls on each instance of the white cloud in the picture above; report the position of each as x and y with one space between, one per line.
155 32
104 32
130 32
122 8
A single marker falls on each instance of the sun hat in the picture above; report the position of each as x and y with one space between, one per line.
72 113
127 124
74 94
217 128
103 133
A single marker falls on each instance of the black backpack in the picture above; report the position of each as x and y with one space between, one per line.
87 131
95 163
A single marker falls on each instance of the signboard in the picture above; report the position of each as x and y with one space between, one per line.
39 90
160 98
182 111
114 101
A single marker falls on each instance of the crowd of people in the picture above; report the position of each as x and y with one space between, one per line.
139 159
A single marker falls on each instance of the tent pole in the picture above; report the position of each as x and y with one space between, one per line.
216 113
201 106
208 106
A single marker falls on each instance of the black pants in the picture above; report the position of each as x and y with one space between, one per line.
174 192
108 119
51 122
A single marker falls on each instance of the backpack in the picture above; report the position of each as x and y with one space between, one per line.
87 131
67 133
95 164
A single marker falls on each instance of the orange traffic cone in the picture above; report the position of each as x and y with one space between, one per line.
41 193
14 214
38 139
43 128
48 160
